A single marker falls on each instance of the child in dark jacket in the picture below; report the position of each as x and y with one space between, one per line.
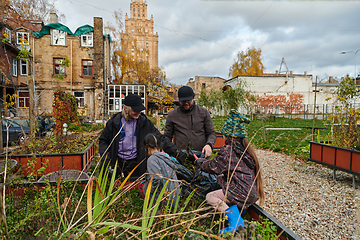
238 172
161 167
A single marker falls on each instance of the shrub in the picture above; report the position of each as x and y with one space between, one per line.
64 110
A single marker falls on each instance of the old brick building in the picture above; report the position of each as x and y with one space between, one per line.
73 62
207 83
15 71
139 40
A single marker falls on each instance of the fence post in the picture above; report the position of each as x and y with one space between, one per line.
326 109
304 111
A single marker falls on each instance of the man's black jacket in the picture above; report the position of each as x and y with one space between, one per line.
143 127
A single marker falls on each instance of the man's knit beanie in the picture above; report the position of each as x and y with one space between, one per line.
234 125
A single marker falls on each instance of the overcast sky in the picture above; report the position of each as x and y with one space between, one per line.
202 38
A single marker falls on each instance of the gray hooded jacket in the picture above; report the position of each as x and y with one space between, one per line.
161 167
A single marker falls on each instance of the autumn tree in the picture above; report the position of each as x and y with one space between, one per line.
25 10
248 62
130 63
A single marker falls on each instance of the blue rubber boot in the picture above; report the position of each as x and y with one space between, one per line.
234 219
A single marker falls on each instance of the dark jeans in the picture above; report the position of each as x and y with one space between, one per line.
125 167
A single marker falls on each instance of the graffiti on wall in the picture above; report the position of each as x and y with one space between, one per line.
282 102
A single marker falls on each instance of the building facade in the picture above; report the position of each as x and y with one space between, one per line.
73 62
15 67
139 41
202 82
278 92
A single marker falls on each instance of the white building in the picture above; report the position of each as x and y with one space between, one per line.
282 93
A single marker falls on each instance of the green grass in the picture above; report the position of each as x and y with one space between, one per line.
291 142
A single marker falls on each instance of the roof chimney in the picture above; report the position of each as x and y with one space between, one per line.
305 73
277 72
53 18
291 73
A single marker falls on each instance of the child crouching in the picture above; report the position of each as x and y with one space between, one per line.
161 167
238 171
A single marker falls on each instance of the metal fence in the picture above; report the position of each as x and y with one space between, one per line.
302 111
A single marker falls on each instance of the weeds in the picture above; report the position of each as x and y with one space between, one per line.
113 211
55 144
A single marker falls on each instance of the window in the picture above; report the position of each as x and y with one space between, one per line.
23 99
58 37
59 69
81 97
14 67
146 30
132 29
23 67
21 37
87 68
87 40
203 85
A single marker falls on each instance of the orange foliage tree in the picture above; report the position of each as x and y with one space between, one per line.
248 62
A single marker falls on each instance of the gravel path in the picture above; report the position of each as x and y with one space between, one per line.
306 199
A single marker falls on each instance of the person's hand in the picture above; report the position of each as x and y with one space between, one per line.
207 150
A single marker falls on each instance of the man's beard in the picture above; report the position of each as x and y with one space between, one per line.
187 110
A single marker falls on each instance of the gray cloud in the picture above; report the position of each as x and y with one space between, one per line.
203 37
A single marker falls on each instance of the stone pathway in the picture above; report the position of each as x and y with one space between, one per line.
305 198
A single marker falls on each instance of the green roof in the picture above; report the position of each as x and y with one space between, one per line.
79 31
46 29
107 35
84 29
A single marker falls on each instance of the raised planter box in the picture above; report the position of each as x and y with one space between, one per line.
62 161
77 176
256 212
338 158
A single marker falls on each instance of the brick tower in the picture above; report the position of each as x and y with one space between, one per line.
139 39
